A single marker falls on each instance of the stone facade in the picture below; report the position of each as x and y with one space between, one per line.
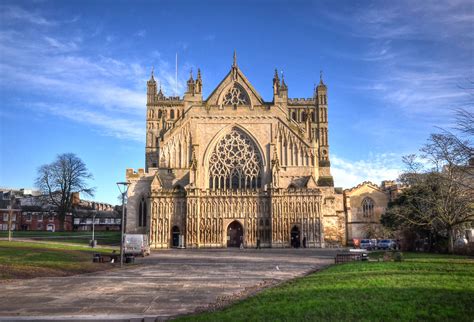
364 206
234 169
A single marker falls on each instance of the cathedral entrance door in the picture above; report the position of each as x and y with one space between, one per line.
175 236
235 234
295 237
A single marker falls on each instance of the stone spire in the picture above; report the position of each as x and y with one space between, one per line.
321 82
198 82
151 88
191 84
152 75
276 84
283 86
234 67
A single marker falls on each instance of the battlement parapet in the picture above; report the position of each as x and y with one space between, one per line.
301 101
132 174
162 98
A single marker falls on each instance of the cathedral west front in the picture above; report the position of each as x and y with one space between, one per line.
233 169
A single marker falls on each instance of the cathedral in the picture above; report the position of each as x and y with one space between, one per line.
234 170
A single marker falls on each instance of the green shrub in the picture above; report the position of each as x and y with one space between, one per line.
397 257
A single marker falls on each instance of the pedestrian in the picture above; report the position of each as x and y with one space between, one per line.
258 243
241 242
304 242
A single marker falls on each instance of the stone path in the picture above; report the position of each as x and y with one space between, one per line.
165 284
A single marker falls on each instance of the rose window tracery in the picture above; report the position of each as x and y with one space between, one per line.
235 163
236 96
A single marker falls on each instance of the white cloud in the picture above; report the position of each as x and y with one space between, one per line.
62 46
210 37
10 13
378 167
110 92
122 128
141 33
417 53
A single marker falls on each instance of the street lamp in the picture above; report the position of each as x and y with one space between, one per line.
93 242
10 215
124 186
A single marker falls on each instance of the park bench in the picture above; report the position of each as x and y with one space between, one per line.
106 258
350 257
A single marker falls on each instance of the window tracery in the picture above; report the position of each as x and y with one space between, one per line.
236 95
367 207
235 163
142 213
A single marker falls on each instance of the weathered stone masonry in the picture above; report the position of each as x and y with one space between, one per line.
235 160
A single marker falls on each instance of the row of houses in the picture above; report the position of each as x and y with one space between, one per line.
31 211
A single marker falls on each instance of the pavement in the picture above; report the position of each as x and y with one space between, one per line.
161 286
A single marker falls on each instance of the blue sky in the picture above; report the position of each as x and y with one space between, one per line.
73 74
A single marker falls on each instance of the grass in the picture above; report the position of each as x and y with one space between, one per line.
422 287
29 259
107 238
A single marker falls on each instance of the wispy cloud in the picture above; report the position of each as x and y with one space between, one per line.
377 167
14 13
108 91
210 37
122 128
61 46
141 33
416 53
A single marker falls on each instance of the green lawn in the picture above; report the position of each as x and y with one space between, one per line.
27 260
422 287
106 238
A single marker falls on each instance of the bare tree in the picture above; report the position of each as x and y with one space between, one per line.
59 179
439 197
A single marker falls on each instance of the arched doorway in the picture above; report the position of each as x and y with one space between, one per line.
175 236
295 237
235 234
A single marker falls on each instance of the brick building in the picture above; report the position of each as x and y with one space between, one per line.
104 216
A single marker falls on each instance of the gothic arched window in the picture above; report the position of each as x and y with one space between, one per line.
235 163
172 114
367 207
236 95
142 213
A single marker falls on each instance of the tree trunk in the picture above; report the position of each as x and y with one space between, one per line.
61 219
450 240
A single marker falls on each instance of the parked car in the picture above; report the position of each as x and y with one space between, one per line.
386 244
136 244
368 244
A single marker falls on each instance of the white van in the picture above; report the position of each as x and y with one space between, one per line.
136 244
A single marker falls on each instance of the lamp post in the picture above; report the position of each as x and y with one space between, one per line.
124 186
10 215
93 242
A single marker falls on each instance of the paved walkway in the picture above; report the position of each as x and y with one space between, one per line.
165 284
